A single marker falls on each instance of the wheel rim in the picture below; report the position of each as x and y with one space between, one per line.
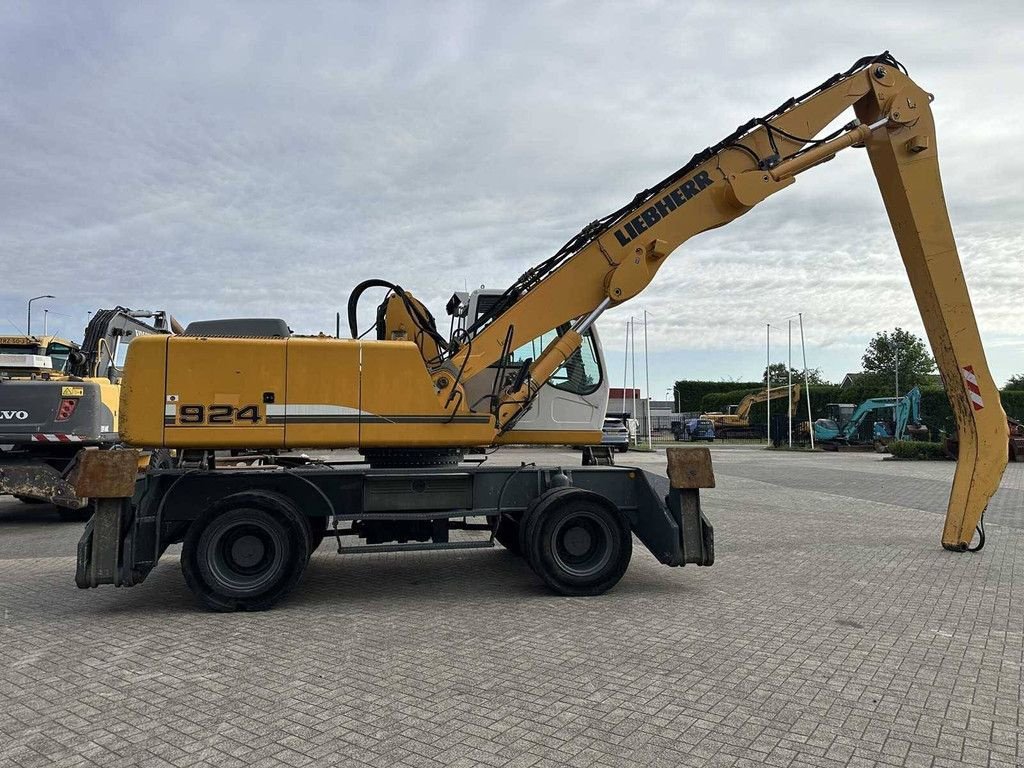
245 557
581 544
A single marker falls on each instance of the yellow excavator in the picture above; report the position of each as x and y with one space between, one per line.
735 422
57 397
403 398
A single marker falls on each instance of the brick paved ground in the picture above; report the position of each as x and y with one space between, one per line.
832 631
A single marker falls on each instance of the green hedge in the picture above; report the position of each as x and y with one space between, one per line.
936 413
717 401
1013 403
690 393
911 449
820 395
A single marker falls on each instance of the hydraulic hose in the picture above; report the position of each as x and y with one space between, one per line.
353 301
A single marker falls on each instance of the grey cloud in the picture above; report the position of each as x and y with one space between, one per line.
249 158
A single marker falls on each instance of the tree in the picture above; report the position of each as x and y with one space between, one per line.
1015 382
780 379
915 361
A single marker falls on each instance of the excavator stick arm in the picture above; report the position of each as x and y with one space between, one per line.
905 162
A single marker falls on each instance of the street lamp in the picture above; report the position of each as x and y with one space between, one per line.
28 330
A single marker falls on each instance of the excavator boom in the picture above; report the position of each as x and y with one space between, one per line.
614 259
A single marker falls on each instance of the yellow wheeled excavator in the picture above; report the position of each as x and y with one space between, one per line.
403 398
736 422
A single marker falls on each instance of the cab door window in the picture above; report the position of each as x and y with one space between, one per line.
579 374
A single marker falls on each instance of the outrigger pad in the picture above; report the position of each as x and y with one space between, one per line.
105 474
690 468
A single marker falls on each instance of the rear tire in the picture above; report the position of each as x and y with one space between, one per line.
579 546
247 553
317 532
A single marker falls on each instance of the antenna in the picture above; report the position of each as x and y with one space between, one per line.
15 327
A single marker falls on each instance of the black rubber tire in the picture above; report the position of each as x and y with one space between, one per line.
220 546
579 547
317 531
508 534
622 448
161 459
29 499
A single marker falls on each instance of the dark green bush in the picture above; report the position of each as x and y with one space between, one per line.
1013 403
690 393
717 401
911 449
820 395
936 413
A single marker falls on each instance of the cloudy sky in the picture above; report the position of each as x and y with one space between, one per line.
260 159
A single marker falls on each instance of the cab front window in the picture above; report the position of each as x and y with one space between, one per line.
58 354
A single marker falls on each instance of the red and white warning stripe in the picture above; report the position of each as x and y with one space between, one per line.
973 390
56 438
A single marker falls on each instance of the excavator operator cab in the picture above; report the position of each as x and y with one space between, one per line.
35 356
840 413
574 399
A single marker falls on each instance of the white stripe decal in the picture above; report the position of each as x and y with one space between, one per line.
169 410
314 409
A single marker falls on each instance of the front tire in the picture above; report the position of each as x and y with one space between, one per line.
507 533
245 554
579 546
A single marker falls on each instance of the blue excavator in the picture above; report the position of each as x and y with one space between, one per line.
843 423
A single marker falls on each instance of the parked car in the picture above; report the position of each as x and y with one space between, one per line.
615 434
694 429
